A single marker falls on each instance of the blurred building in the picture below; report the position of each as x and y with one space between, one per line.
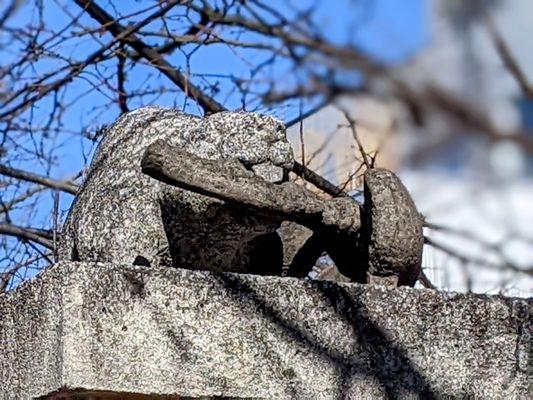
329 145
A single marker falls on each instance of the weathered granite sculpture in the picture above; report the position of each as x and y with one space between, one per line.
383 243
393 230
122 215
230 200
115 331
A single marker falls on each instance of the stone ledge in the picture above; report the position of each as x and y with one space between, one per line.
131 332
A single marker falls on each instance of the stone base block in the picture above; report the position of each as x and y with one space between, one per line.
90 331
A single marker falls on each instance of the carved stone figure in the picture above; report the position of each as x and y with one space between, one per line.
219 198
122 215
379 242
393 230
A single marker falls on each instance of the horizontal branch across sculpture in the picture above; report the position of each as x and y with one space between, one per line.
358 240
230 181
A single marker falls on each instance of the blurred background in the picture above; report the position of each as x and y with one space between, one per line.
440 91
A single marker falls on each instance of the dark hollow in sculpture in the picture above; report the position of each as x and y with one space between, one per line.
387 249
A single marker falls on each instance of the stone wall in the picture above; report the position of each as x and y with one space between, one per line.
84 330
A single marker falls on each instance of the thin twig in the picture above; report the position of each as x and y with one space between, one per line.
34 235
425 281
122 97
65 186
468 259
208 104
507 57
352 125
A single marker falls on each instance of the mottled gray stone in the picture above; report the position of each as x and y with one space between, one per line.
381 245
224 217
293 236
392 228
128 329
122 215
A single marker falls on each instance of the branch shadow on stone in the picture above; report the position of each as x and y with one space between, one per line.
389 362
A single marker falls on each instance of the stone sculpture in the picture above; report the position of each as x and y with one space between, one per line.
122 215
380 241
219 197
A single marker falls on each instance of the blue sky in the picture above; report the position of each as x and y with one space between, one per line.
389 30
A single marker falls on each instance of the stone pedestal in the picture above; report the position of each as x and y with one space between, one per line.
84 330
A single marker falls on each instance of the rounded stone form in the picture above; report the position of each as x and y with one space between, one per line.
393 228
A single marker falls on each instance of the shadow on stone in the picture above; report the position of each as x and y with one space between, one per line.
163 331
376 354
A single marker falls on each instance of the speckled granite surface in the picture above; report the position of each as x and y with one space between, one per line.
170 331
123 215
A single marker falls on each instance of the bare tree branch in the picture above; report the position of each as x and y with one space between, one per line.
44 238
207 103
468 259
65 186
44 89
507 57
8 206
8 274
9 11
425 281
352 126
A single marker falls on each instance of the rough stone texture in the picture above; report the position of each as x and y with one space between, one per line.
224 217
293 236
393 229
122 215
230 181
128 329
387 245
335 222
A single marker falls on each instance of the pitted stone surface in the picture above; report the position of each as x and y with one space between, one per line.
122 215
393 229
127 329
